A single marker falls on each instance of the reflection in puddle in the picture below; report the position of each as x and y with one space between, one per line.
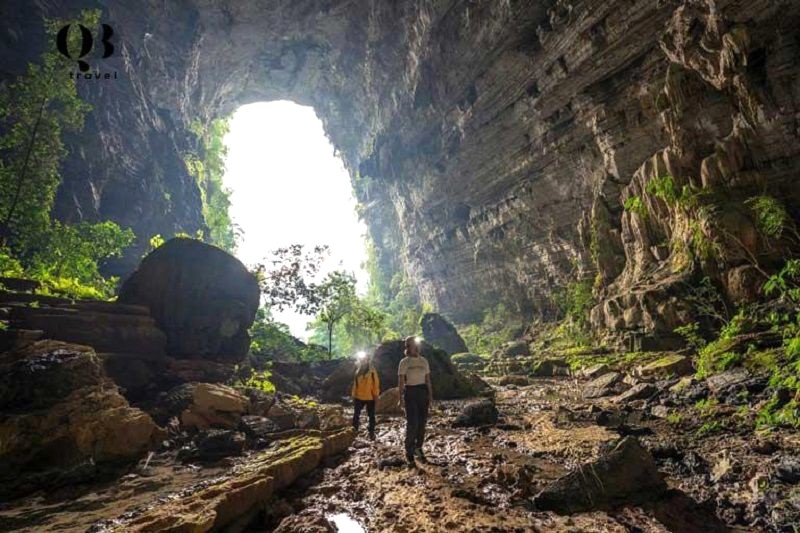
345 524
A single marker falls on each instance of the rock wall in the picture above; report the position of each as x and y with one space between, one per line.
491 143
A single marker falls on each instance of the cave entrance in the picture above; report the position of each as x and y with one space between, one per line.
288 186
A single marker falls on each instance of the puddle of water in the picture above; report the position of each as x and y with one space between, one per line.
345 523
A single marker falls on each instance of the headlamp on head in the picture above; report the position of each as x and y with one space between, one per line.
361 355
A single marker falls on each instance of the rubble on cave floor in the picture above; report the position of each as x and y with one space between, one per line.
487 478
547 438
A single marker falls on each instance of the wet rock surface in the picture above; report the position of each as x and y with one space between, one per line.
62 420
550 448
487 478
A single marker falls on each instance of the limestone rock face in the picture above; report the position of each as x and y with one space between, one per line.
62 418
441 333
494 147
203 299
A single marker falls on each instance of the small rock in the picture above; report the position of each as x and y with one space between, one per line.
255 426
215 444
682 384
308 419
214 406
722 468
670 365
283 416
642 391
602 386
389 402
393 461
720 383
516 348
594 371
551 367
660 411
514 380
788 470
481 413
764 446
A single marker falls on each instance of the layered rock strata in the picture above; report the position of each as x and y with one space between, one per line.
493 145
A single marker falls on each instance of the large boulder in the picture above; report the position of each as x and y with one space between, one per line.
448 383
441 333
62 418
625 476
203 298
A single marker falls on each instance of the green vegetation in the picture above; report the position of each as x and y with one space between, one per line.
691 334
343 321
207 165
634 204
255 379
35 110
772 219
675 418
574 302
665 188
396 296
499 325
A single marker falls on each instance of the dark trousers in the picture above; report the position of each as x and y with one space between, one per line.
416 404
358 405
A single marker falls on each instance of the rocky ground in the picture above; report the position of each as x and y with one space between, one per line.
493 466
487 478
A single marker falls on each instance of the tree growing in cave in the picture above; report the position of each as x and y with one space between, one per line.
34 111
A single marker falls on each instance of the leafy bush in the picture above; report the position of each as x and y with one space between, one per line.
66 258
634 204
9 265
257 380
691 334
35 109
771 215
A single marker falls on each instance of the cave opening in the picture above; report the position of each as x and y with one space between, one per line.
288 186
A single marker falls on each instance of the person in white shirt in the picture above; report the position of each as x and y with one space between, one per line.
416 395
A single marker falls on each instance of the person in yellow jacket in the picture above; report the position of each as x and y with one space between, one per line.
366 388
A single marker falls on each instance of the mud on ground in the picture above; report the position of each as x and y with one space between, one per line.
479 479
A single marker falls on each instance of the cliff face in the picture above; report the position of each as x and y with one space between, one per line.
492 143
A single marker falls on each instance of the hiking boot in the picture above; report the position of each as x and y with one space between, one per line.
410 462
372 435
421 456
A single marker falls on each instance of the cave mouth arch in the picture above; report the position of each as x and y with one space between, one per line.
289 186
